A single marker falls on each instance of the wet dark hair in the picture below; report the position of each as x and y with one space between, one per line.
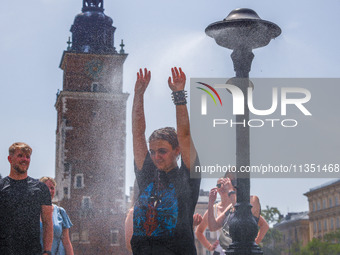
168 134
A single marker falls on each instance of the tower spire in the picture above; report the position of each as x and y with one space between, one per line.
69 44
122 47
92 31
89 5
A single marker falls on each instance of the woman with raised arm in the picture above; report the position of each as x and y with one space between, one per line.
163 212
223 220
226 191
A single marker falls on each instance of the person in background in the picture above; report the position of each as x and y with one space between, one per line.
223 220
23 200
222 189
61 224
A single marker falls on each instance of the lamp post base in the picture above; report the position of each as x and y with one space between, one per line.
244 249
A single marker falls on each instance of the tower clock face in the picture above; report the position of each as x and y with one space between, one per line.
93 68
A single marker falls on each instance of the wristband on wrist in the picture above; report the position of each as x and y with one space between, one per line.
47 252
179 97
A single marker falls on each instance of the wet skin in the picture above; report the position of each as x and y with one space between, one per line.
163 155
20 161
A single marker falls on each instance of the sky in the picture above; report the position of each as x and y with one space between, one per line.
159 35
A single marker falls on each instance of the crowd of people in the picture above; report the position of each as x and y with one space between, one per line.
161 220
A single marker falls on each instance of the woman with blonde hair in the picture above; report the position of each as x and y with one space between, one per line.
61 224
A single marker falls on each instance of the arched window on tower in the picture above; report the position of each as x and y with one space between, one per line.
65 191
79 181
86 209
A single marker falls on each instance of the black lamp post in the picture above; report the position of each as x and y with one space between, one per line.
243 30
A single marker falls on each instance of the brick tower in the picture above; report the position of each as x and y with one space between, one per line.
91 133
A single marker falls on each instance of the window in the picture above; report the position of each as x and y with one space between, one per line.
313 207
324 203
65 191
67 167
314 227
84 237
79 181
319 226
114 237
75 237
207 234
95 87
337 223
66 122
332 224
318 205
330 202
325 225
86 203
336 200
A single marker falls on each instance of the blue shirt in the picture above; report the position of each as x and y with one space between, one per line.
60 221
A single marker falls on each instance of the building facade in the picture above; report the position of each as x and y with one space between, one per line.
91 133
324 209
294 229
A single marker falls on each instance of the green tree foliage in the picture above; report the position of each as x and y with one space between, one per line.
330 245
272 215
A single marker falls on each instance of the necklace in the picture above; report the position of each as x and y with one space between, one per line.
156 196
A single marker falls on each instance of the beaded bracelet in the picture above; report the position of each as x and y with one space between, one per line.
179 97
